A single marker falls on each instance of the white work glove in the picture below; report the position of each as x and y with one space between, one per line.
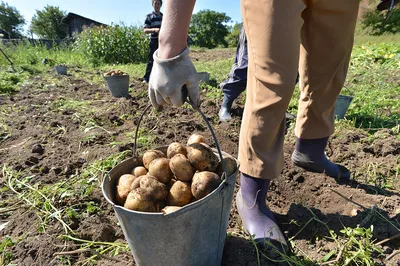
167 78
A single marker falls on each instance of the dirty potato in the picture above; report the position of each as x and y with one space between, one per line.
230 164
159 168
150 155
136 183
169 185
196 138
169 209
181 168
139 171
176 148
202 157
123 187
157 190
180 194
204 183
140 200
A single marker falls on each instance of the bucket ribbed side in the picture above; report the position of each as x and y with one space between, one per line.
193 235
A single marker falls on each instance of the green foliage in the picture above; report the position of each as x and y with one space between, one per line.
359 248
232 38
376 102
5 255
8 82
377 23
47 23
117 44
208 29
29 57
11 20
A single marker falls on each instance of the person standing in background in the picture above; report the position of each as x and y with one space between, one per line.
152 26
235 84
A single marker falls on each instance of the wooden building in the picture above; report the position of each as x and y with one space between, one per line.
76 24
4 34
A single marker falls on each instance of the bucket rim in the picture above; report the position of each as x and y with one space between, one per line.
119 76
183 209
345 96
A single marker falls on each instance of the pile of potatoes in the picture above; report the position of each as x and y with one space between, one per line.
114 72
165 182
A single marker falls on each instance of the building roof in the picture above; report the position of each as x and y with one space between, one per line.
3 33
71 15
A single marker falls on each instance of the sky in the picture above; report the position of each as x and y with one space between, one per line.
131 12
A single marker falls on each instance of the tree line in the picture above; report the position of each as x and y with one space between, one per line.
208 28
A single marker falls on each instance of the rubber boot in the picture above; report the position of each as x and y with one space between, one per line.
310 155
257 219
225 111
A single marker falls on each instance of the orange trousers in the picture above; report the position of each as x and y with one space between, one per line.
314 37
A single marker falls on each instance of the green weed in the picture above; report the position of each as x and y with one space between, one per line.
5 254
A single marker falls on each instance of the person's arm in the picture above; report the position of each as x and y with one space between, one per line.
147 27
175 26
151 30
173 69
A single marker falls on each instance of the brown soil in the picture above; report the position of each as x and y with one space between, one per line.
48 144
211 54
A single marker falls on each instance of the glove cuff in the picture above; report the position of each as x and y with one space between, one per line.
179 57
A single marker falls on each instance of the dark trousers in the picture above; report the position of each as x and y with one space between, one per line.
235 84
153 46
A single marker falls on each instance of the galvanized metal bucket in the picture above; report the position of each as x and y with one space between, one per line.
193 235
341 106
203 77
61 70
118 85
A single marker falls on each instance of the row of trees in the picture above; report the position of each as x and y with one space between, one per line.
45 23
208 28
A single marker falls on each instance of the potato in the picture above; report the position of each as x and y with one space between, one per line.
123 187
196 138
202 157
136 183
139 171
204 183
181 168
140 200
157 190
150 155
169 185
169 209
180 194
176 148
159 168
230 164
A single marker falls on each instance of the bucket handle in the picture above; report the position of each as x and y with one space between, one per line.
223 177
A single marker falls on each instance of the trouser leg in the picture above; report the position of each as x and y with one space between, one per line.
235 84
153 46
326 44
273 34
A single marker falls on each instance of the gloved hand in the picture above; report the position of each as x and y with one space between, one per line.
167 78
386 4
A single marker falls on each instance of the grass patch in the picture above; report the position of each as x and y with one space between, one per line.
9 82
81 107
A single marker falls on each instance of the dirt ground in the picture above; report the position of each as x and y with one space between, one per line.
48 144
